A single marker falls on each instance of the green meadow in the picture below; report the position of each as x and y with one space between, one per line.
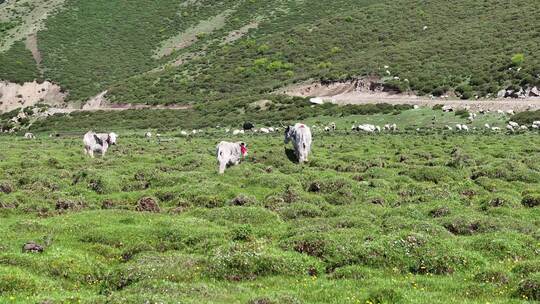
406 217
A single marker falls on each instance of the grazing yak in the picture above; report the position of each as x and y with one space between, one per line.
98 142
229 154
248 126
300 135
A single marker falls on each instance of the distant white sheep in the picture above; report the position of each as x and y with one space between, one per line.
369 128
447 108
462 127
390 127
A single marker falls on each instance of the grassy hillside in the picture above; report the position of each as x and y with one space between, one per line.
17 65
370 219
197 51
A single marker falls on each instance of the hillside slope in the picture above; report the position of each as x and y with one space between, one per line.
197 51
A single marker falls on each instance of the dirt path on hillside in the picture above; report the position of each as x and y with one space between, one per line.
518 105
371 90
31 44
123 107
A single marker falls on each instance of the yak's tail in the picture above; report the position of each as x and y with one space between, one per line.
221 161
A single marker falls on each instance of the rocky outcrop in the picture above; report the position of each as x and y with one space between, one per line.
521 93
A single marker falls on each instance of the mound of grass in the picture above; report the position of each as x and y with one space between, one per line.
529 288
248 261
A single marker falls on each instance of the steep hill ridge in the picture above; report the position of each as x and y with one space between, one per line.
240 50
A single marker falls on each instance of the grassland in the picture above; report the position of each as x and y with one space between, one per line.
390 218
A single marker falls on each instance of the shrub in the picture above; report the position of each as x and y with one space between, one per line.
6 187
518 59
429 174
460 159
468 225
314 245
525 268
527 117
352 272
152 266
16 281
462 113
298 210
529 288
384 296
242 233
249 260
439 212
531 200
492 276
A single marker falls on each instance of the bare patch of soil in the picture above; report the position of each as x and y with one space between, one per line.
237 34
191 35
13 95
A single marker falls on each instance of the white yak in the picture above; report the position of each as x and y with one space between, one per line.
300 135
229 153
98 142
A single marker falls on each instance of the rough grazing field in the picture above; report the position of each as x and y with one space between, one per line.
440 218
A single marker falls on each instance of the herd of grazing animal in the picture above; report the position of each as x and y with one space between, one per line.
227 153
232 153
